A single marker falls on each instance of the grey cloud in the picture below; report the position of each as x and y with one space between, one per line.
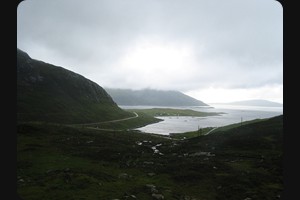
236 43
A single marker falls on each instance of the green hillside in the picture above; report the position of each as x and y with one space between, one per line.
61 162
49 93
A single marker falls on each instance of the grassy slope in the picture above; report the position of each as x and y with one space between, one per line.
49 93
156 112
58 162
143 119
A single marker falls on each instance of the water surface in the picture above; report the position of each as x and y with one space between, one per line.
233 114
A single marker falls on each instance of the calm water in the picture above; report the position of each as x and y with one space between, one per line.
233 114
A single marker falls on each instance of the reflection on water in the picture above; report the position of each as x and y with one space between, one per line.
234 114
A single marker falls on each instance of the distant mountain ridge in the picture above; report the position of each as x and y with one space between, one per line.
150 97
256 102
50 93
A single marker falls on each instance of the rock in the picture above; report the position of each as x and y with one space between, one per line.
151 174
150 186
187 198
148 163
124 176
201 153
133 196
158 196
154 190
67 170
156 151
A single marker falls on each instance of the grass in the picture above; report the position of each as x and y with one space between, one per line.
191 134
165 112
50 93
143 119
61 162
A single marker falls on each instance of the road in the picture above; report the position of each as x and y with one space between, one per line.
116 120
211 131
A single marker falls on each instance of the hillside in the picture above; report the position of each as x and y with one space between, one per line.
50 93
256 102
149 97
60 162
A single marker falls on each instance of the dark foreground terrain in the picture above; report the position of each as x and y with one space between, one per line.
61 162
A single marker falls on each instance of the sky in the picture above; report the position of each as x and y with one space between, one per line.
216 51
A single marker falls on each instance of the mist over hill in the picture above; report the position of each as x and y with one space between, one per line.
256 102
50 93
150 97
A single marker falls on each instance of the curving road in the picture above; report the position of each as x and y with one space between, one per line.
116 120
211 131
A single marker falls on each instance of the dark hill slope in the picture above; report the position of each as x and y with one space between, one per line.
60 162
267 134
244 162
49 93
149 97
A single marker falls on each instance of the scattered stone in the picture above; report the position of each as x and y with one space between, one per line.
124 176
151 174
150 186
219 187
90 141
154 191
67 170
158 196
21 180
248 198
215 167
148 163
201 153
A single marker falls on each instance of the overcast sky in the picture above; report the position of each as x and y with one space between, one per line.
213 50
